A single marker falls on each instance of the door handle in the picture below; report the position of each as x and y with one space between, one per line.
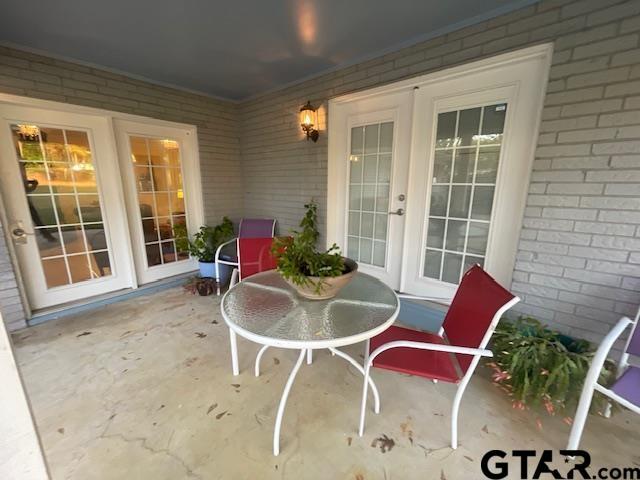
398 212
19 234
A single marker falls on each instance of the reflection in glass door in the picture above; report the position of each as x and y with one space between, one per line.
158 179
466 156
62 193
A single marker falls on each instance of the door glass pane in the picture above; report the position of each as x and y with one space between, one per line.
62 193
466 159
370 164
157 169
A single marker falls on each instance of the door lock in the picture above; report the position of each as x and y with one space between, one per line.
402 197
19 234
398 212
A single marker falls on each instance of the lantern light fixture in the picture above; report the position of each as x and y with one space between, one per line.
309 120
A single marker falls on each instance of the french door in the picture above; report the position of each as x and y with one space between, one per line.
63 204
161 185
461 152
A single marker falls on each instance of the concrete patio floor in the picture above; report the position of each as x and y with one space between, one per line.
143 389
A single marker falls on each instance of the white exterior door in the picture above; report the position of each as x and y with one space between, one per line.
63 201
369 183
471 140
161 178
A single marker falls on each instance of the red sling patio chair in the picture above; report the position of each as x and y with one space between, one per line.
625 390
254 256
452 355
227 253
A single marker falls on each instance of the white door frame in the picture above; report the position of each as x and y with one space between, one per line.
533 63
109 116
187 138
394 108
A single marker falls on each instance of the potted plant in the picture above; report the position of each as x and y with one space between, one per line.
314 274
537 366
201 285
204 243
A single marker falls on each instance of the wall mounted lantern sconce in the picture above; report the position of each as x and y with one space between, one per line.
309 119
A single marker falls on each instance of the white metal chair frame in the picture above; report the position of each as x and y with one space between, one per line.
477 353
233 264
591 380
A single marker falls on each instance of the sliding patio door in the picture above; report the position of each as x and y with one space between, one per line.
462 188
161 178
63 204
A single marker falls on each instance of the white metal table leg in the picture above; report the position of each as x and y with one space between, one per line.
258 358
234 352
374 389
309 356
283 402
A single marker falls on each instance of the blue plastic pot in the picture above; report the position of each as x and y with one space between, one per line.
208 269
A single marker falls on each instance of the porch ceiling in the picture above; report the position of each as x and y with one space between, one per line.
233 49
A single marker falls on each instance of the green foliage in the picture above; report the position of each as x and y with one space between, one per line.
205 241
538 366
298 258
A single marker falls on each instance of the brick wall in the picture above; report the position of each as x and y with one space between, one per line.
26 74
578 264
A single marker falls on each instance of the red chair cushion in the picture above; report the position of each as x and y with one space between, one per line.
424 363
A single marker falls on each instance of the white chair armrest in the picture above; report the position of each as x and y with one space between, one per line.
430 346
223 245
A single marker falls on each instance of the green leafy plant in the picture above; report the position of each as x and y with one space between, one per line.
297 256
537 366
205 241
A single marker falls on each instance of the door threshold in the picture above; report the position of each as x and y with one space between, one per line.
91 303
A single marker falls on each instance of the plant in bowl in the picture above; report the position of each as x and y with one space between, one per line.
537 366
315 274
204 243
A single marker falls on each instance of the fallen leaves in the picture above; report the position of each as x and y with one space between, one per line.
212 408
61 431
222 414
385 443
201 334
276 361
83 334
349 440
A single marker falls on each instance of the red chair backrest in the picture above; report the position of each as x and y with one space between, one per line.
254 256
472 311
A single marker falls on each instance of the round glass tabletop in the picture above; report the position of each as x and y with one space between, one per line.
266 309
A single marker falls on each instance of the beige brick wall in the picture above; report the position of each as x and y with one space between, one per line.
36 76
578 266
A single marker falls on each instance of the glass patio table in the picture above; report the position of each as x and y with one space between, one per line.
267 310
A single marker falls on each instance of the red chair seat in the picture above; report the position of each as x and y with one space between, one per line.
424 363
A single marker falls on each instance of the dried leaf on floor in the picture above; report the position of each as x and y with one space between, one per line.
485 429
212 408
83 334
468 458
201 334
442 475
385 443
349 439
220 415
61 431
215 322
359 476
235 385
276 361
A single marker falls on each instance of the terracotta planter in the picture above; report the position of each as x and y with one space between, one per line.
332 285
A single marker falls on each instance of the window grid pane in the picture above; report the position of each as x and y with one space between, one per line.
62 192
466 153
158 177
370 164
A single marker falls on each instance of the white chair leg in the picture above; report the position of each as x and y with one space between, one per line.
454 415
234 277
309 356
581 417
218 284
283 403
258 358
234 352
